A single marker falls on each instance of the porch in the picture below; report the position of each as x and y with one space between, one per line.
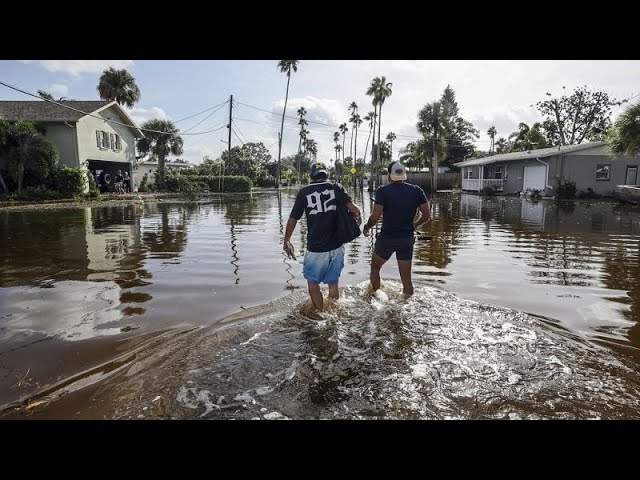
477 184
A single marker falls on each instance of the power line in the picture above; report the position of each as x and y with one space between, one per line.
205 118
206 110
236 125
234 132
96 116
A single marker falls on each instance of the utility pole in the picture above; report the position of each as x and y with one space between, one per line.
229 144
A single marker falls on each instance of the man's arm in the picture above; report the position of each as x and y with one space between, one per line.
425 216
373 218
286 242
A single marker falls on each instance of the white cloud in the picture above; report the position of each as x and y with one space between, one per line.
58 90
79 67
141 115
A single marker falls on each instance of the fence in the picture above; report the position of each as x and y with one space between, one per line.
446 181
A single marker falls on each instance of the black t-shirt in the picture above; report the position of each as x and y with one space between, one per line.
318 202
400 201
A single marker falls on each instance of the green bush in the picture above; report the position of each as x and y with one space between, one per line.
68 181
567 190
488 191
266 182
588 194
232 184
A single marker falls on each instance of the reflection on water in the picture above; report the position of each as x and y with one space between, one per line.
73 274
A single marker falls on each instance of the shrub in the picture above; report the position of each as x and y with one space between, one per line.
488 191
68 181
567 190
233 184
588 194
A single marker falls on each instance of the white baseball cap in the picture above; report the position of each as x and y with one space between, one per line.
397 171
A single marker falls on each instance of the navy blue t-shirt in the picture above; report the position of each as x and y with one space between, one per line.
400 201
318 201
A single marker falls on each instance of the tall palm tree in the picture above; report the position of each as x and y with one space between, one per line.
118 85
160 145
492 132
432 124
369 117
390 138
303 133
624 137
380 90
357 121
343 128
353 108
285 66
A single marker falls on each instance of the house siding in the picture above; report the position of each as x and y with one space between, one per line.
63 137
87 146
581 169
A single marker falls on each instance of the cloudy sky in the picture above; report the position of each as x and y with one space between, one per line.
489 92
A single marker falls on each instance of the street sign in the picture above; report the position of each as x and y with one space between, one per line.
353 170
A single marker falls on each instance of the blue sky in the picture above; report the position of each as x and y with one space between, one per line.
492 92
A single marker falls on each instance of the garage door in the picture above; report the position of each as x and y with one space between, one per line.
535 177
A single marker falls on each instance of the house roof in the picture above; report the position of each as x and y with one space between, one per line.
43 111
539 153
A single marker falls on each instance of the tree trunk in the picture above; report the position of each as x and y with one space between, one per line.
372 183
435 167
286 98
3 185
161 161
355 155
379 128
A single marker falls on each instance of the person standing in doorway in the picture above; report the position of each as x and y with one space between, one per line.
324 258
399 201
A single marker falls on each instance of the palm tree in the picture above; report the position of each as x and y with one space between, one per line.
118 85
303 133
357 121
380 90
492 132
160 145
285 66
432 123
624 137
390 138
353 108
369 117
343 128
45 95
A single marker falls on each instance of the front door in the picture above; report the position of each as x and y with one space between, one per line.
631 176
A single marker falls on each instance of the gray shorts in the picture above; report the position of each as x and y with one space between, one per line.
403 246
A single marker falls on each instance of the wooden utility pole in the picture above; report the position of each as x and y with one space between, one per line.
229 144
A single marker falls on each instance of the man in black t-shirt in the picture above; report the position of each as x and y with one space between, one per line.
399 201
324 258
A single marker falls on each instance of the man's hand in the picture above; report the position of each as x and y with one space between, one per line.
365 231
289 250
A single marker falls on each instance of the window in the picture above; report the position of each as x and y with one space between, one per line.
105 140
467 173
602 172
497 173
118 143
112 141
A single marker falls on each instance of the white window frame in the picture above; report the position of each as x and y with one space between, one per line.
118 142
608 169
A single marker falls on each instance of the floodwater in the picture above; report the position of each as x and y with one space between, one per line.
522 310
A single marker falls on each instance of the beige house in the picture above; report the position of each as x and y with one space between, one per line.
149 168
86 135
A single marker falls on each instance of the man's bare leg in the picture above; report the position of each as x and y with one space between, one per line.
316 295
404 266
333 291
376 264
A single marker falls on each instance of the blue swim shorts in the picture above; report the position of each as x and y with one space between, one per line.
324 267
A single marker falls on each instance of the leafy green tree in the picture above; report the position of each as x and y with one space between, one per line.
285 66
390 138
119 85
624 137
27 153
161 140
502 146
528 138
583 115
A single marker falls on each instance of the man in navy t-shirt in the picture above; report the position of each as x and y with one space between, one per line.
324 258
399 201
